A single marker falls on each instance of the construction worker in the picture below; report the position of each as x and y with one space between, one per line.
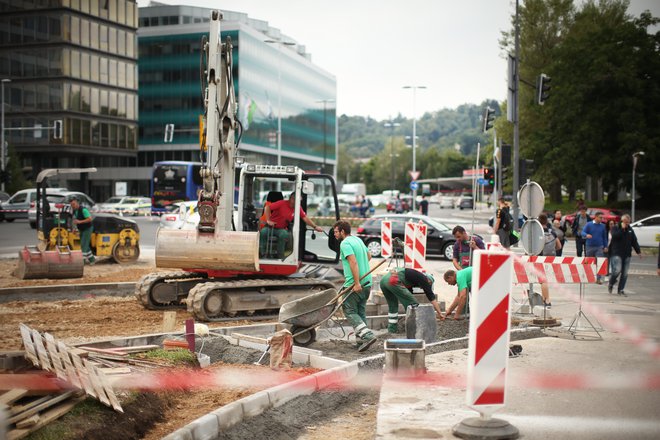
462 279
397 286
355 259
83 221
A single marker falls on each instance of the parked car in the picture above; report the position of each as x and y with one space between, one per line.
17 206
439 239
64 198
398 206
608 214
110 204
181 215
647 231
134 206
466 202
447 202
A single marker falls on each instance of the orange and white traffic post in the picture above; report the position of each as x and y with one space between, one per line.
386 238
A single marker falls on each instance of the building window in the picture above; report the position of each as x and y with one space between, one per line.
84 66
75 30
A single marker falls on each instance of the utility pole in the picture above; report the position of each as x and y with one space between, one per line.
414 139
2 131
516 122
391 125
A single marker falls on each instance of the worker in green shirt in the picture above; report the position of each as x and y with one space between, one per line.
462 279
355 260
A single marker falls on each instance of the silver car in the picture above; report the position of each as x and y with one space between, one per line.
63 198
18 205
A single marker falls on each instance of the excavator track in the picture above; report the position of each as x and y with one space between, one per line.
144 289
216 300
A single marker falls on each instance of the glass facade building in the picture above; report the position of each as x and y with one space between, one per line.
75 61
270 80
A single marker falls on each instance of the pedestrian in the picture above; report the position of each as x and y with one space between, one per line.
424 206
464 246
397 287
579 222
503 223
551 246
596 239
463 280
355 260
83 221
623 242
559 224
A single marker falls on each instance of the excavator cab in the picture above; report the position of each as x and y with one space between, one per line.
262 185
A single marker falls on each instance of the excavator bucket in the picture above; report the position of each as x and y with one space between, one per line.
56 264
223 250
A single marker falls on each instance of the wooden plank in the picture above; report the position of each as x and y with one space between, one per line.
47 404
116 370
94 379
82 375
26 423
17 409
54 354
107 387
71 373
256 339
44 360
44 419
30 350
12 396
136 349
103 351
169 321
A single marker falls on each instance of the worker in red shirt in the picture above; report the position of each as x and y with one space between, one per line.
278 217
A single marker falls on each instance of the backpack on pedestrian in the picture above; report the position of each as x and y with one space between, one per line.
549 244
506 219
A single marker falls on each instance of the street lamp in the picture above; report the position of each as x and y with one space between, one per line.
2 132
635 156
391 125
414 138
279 94
325 144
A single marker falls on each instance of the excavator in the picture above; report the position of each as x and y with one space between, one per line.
216 271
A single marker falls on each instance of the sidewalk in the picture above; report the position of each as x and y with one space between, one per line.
430 412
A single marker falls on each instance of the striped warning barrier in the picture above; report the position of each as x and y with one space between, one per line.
386 238
409 244
419 249
488 349
559 270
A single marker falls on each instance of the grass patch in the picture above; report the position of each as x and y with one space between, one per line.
87 413
173 357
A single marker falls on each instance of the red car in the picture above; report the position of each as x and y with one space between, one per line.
608 214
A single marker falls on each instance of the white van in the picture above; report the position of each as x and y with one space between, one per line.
18 205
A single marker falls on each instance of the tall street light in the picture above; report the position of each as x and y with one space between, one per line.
414 138
279 93
391 125
2 132
635 156
325 144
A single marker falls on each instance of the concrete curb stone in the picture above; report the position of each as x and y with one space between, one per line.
229 415
255 404
205 428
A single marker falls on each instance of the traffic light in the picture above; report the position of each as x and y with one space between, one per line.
505 154
526 170
57 129
488 117
489 176
542 88
169 133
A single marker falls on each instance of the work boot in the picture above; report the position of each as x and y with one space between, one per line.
392 328
367 341
609 288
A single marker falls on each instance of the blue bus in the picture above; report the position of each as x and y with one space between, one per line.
174 181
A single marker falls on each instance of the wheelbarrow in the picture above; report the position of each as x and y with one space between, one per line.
306 314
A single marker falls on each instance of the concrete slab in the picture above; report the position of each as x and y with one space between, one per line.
430 411
205 428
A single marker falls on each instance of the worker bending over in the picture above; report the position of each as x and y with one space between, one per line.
397 286
462 279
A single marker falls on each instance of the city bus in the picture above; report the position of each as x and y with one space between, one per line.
174 181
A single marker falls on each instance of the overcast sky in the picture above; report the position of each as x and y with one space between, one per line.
375 47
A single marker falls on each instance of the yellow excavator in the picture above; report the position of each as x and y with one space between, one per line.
220 269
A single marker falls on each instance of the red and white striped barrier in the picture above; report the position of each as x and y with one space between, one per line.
559 270
409 244
488 347
386 238
419 250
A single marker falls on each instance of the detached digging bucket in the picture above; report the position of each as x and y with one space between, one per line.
57 264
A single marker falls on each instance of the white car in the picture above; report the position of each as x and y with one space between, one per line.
181 215
647 231
134 206
60 198
447 202
110 204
